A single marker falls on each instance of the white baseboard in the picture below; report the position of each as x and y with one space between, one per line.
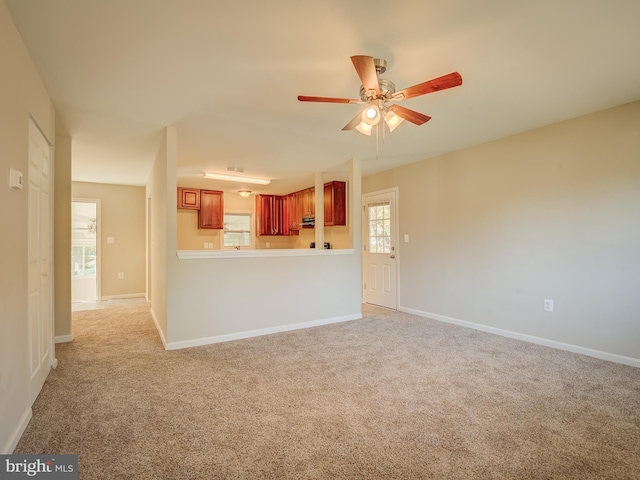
197 342
612 357
125 295
63 338
13 440
160 332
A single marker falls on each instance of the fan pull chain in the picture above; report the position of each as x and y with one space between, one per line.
377 143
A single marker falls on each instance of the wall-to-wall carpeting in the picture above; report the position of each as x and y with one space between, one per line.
389 396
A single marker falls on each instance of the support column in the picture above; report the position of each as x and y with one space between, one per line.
319 177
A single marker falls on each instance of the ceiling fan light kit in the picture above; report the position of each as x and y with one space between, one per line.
392 120
376 91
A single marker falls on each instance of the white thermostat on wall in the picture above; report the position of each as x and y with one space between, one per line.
16 179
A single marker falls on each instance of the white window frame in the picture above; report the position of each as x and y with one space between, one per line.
251 231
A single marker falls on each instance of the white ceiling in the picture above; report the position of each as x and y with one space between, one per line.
227 74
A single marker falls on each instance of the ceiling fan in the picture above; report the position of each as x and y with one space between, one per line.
376 92
91 228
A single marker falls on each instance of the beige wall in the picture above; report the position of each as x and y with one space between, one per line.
160 206
21 94
62 239
122 216
553 213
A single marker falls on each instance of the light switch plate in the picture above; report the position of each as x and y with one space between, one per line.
111 240
16 179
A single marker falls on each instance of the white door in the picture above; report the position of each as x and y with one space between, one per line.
39 260
380 256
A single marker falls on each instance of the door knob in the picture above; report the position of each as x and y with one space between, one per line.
393 256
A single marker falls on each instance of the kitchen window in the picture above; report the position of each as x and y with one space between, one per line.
237 230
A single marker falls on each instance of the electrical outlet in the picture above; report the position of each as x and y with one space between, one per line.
121 275
211 245
548 305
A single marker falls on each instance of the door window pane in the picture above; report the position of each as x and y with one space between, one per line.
379 228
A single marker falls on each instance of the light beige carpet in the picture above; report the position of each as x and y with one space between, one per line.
390 396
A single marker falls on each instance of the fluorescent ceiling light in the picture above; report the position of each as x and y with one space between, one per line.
236 178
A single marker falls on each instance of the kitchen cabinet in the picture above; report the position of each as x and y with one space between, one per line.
270 215
299 209
211 213
291 212
309 203
335 203
189 198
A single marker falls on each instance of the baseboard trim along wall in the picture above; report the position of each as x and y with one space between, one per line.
63 338
124 295
197 342
155 322
13 440
612 357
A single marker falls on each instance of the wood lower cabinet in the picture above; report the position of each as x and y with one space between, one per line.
189 198
270 215
211 213
335 203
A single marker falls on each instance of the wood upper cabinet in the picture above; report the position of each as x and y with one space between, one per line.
189 198
270 215
335 203
290 213
309 202
211 213
298 212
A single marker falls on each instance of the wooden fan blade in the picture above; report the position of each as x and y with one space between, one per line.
303 98
410 115
441 83
353 123
366 69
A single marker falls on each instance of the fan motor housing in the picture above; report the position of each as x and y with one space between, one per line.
387 89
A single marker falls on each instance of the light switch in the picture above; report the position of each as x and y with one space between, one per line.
16 179
111 240
406 238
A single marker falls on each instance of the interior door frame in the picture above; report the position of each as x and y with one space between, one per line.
97 201
395 232
52 360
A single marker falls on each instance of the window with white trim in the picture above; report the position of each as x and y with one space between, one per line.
238 230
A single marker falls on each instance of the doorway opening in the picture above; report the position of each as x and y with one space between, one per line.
85 258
